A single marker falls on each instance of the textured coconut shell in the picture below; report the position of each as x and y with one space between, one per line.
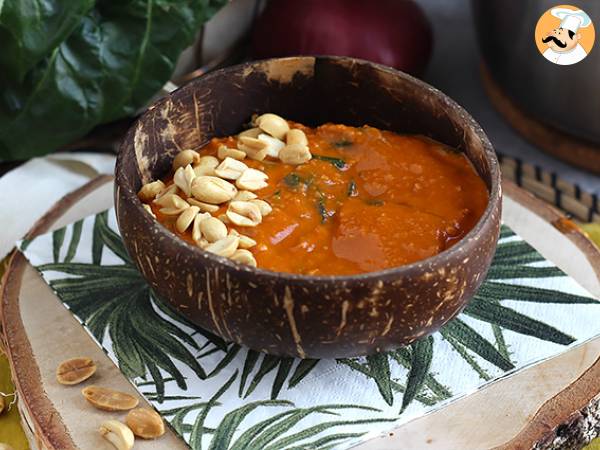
295 315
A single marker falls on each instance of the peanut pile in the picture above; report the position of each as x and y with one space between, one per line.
202 184
144 423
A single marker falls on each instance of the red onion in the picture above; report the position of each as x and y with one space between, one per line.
391 32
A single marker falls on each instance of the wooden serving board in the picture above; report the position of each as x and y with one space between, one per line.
514 412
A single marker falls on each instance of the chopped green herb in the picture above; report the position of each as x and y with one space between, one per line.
375 202
337 162
277 194
352 189
342 143
292 179
322 210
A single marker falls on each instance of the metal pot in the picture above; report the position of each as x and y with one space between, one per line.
565 97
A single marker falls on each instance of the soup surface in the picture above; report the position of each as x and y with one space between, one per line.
367 200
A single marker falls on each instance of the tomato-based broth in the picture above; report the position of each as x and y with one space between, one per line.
366 200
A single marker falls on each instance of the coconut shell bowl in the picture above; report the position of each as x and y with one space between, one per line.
299 315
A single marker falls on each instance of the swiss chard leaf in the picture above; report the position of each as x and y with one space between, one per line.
117 56
30 29
336 162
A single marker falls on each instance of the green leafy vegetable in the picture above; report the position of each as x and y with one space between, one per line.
352 189
322 210
292 179
337 162
67 66
342 143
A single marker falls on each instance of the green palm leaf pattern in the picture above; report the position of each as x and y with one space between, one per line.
115 299
304 367
513 259
431 393
283 366
269 433
460 332
422 354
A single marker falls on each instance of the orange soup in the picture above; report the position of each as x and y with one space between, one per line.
367 200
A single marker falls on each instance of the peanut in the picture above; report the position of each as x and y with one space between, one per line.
252 180
244 196
244 257
118 434
171 189
264 207
244 214
273 124
226 152
172 205
75 370
212 189
186 218
213 229
149 191
230 169
295 154
224 247
148 209
273 145
296 136
250 132
206 166
185 157
245 241
204 207
108 399
183 179
253 147
145 423
196 231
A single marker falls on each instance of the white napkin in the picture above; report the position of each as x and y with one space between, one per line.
28 191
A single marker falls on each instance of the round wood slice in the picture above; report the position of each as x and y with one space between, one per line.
515 412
